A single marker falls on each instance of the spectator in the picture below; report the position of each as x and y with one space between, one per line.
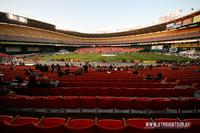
32 81
85 68
19 80
135 72
60 73
54 83
52 67
44 82
66 72
159 76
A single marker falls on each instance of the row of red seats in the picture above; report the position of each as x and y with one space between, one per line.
18 124
116 84
107 91
95 103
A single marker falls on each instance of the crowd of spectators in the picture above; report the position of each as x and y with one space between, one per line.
38 77
107 50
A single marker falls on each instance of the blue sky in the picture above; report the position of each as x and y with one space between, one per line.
97 15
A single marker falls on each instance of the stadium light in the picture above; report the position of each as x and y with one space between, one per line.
11 16
22 19
17 18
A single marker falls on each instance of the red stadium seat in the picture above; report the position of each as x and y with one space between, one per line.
193 125
104 91
53 102
37 102
51 125
129 92
177 104
90 91
123 103
138 125
79 91
165 92
158 104
71 103
140 103
3 120
25 125
117 92
141 92
68 92
56 91
167 128
153 92
88 102
105 102
110 126
6 118
80 126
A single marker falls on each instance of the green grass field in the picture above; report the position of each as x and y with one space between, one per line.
118 58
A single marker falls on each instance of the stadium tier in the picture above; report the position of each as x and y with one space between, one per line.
17 33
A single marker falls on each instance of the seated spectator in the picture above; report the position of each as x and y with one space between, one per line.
110 67
2 82
52 67
4 86
60 73
19 80
66 72
78 72
46 68
32 81
159 76
54 83
135 72
44 82
85 68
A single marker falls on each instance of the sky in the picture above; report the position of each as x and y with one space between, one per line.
94 16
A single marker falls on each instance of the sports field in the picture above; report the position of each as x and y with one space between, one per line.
128 57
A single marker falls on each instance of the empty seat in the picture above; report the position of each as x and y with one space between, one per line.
68 91
193 125
90 91
88 102
165 92
3 120
140 103
129 92
110 126
51 125
25 125
80 126
104 91
37 102
53 102
105 102
175 104
141 92
123 103
71 103
158 104
138 125
55 91
117 92
6 118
